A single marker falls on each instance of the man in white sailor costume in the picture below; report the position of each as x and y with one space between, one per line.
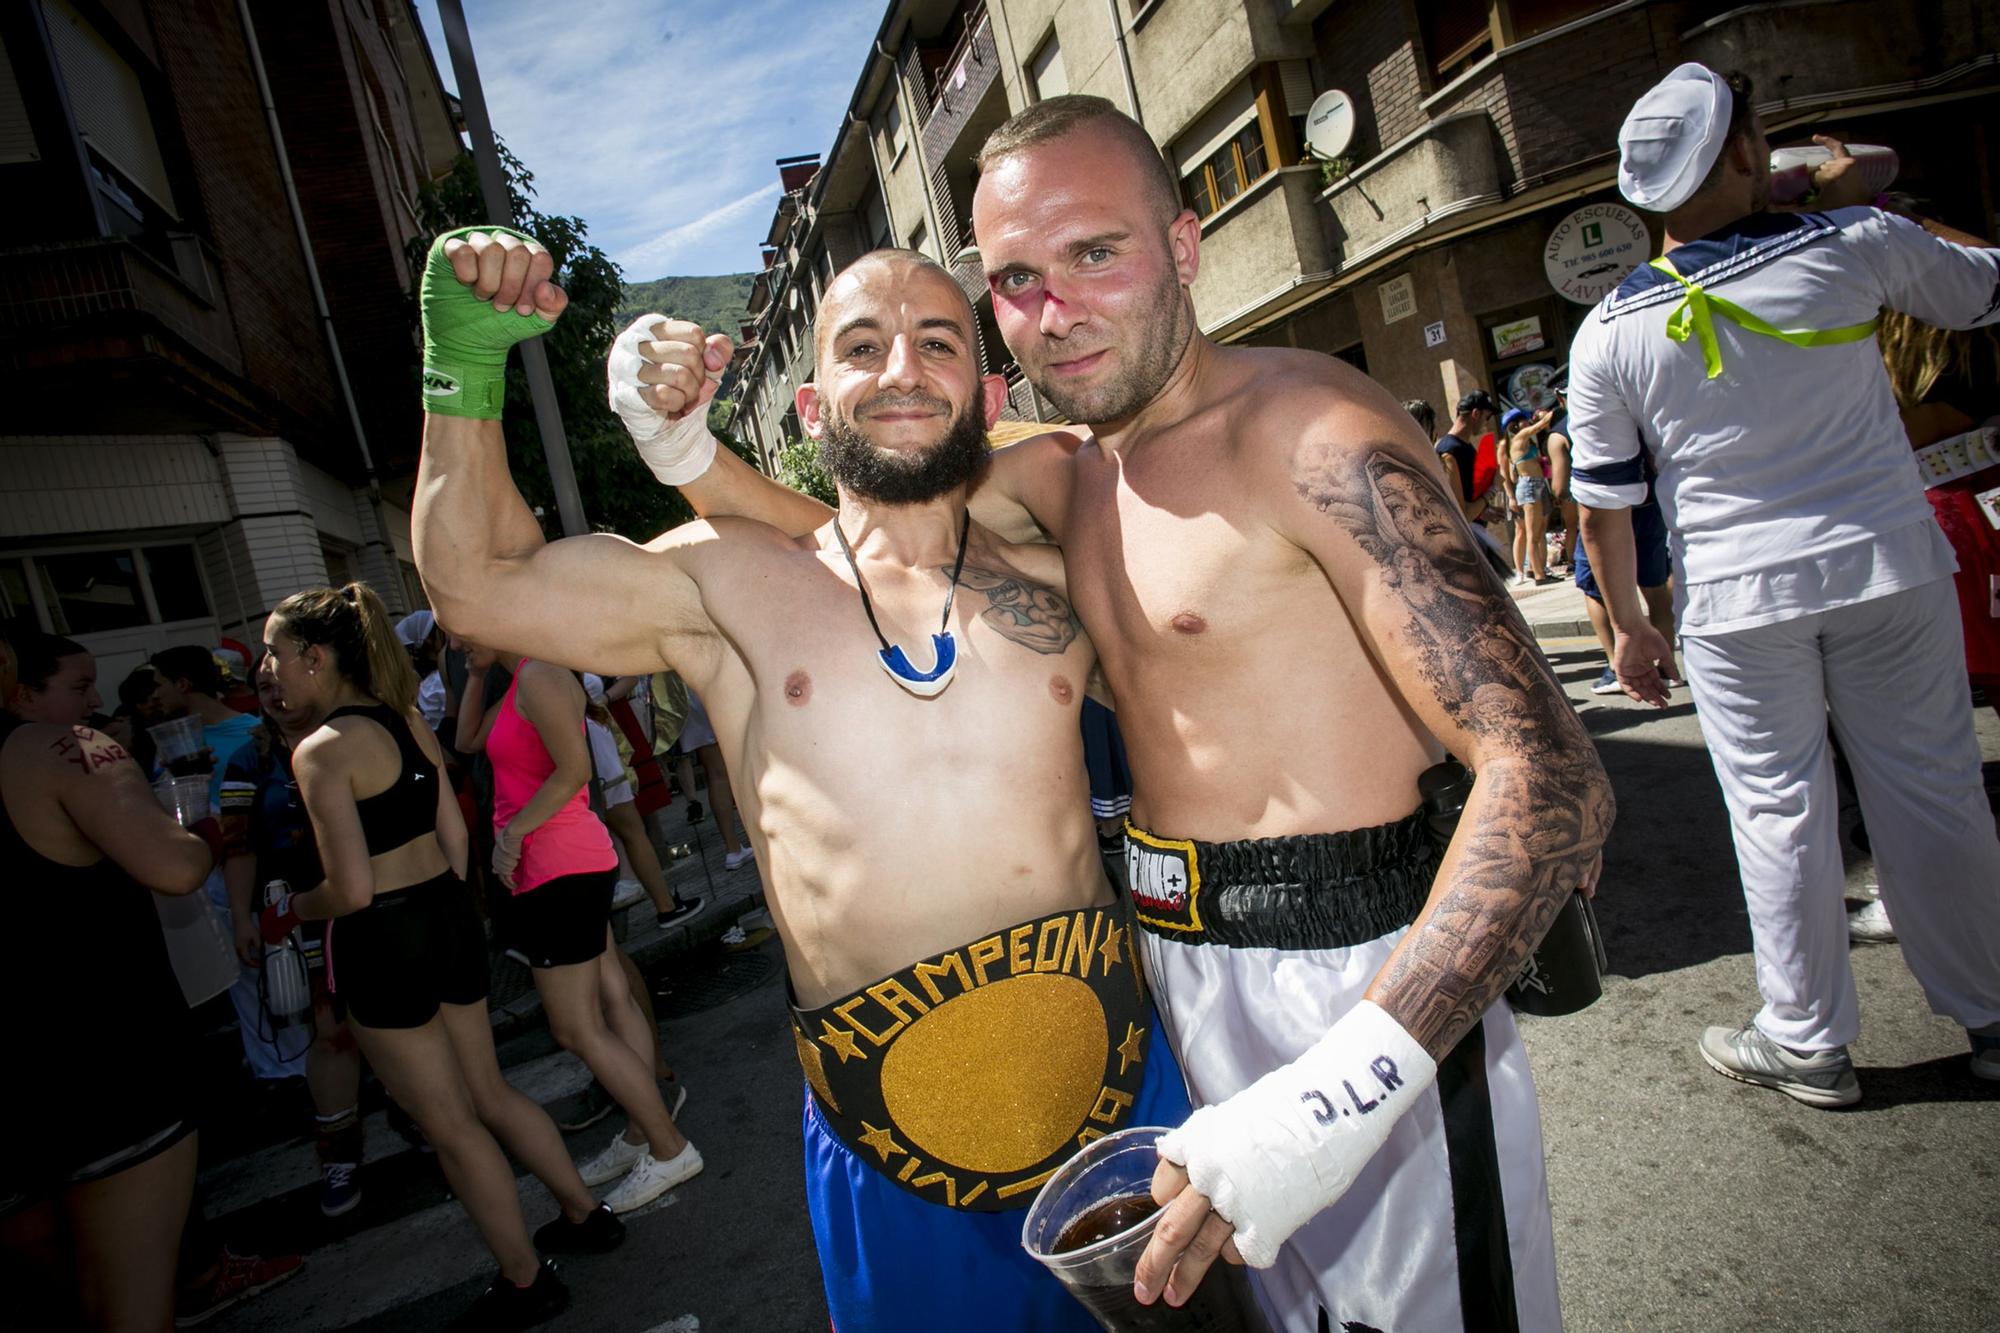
1740 374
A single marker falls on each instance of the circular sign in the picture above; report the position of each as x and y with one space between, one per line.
1590 251
1330 124
1532 388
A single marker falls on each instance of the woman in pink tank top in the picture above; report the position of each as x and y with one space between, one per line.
555 858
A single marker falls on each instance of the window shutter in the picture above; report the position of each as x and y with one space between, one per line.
108 101
1296 76
17 136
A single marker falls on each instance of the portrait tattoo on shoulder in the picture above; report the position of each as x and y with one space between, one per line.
1543 809
1030 614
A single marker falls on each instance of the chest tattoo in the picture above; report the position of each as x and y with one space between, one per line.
1027 613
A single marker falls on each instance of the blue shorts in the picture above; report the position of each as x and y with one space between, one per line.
1531 490
1649 543
894 1262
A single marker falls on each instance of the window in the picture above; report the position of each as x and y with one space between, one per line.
1226 150
112 113
339 568
1045 71
1228 171
919 237
892 128
89 592
176 583
1456 33
16 605
92 591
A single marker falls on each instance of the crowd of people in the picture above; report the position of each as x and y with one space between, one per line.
1300 972
339 775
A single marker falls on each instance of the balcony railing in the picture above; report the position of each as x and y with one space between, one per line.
953 74
108 282
961 87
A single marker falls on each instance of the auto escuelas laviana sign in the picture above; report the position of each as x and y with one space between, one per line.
1592 250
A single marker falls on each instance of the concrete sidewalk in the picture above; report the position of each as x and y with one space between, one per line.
1553 610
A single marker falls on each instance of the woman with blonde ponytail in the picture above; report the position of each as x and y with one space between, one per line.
405 951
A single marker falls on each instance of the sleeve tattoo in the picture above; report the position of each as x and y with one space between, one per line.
1028 613
1542 805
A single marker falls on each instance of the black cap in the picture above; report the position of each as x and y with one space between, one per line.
1477 401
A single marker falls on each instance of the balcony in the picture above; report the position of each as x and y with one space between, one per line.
960 98
1450 167
1261 246
98 336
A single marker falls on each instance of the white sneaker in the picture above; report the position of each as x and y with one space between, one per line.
1870 925
739 857
649 1178
616 1159
626 892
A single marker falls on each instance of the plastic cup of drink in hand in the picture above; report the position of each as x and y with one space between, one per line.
1092 1221
176 740
186 799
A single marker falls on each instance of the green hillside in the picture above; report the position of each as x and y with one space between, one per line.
715 303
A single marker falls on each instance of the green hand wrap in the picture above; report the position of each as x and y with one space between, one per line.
466 339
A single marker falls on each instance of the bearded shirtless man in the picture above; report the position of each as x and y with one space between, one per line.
1295 623
967 1004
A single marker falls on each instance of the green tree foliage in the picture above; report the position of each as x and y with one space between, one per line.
619 494
799 468
716 303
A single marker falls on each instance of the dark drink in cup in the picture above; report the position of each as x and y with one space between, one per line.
1094 1218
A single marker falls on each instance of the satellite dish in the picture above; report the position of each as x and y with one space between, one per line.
1330 125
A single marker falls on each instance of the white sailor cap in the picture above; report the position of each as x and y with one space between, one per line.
1672 137
414 628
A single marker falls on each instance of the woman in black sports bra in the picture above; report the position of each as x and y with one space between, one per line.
405 949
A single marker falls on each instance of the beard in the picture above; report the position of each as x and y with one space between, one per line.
1144 368
886 476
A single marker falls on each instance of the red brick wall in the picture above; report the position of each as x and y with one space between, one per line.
206 63
328 65
1367 52
1554 105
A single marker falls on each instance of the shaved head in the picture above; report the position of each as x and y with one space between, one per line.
905 263
1075 113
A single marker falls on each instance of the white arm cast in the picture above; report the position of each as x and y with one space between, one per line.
676 451
1290 1144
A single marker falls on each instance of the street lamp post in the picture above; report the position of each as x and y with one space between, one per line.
493 186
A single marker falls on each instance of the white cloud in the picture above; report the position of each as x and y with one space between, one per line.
635 113
659 254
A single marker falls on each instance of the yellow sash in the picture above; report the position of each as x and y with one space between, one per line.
1696 314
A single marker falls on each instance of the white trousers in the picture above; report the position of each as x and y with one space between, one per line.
1447 1229
1891 673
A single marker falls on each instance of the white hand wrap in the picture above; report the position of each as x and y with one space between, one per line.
1291 1143
676 451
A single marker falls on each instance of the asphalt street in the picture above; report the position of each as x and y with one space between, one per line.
1682 1200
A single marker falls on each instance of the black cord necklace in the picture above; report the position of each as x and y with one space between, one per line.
944 649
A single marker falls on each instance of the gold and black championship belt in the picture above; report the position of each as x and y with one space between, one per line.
969 1077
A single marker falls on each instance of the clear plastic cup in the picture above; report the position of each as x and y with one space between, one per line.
1107 1188
186 799
176 740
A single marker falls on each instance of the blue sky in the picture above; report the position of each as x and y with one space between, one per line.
659 122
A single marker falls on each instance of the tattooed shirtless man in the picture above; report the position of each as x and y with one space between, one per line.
1295 624
897 696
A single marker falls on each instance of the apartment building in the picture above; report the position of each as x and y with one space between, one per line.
1473 218
183 448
